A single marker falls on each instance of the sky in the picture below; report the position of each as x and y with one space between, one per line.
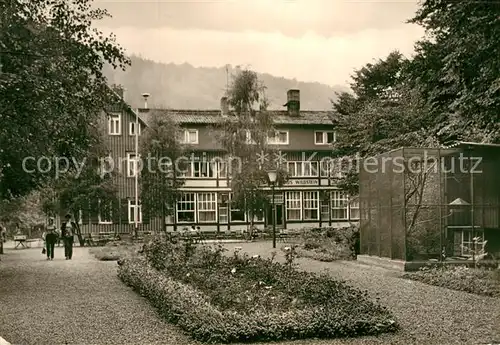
310 40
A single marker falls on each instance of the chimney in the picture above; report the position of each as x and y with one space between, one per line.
224 106
145 96
293 102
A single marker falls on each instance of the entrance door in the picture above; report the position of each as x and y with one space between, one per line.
279 215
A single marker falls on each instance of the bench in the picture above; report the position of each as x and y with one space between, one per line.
20 240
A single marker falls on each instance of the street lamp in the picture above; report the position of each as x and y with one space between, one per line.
272 180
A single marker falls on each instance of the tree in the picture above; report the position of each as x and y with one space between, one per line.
51 86
87 191
457 67
385 112
244 136
162 149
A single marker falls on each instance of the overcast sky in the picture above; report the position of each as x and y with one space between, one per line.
310 40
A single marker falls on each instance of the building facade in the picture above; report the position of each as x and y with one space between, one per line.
310 197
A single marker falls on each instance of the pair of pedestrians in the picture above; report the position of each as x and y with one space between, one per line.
68 229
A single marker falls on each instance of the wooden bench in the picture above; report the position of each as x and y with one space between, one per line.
20 240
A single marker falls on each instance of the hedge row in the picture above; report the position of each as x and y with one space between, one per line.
191 309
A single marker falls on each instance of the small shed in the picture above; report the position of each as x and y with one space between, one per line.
431 204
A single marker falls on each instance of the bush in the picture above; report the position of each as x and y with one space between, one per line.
114 251
329 244
478 281
218 298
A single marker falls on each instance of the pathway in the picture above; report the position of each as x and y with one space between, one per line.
79 301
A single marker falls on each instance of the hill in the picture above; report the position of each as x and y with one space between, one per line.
188 87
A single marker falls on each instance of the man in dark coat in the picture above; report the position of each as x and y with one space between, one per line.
68 230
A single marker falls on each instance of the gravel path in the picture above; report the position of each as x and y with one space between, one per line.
427 314
81 301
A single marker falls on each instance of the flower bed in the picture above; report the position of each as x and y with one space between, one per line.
114 251
218 298
328 244
478 281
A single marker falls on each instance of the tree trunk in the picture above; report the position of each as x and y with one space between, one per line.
78 231
163 216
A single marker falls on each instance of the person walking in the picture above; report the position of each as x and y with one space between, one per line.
68 229
50 239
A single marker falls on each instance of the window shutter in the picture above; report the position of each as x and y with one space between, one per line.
145 215
115 211
124 211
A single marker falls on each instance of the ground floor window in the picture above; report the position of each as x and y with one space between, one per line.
207 206
354 209
340 204
472 242
134 211
237 215
105 210
293 206
311 203
186 208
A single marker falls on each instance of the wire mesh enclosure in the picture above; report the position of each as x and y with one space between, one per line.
418 204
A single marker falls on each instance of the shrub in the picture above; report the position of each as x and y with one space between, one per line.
329 244
218 298
478 281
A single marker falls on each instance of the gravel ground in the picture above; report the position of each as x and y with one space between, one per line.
427 314
81 301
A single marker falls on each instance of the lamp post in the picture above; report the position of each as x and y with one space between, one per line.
272 180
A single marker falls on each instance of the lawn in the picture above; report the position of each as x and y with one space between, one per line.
116 250
480 281
230 298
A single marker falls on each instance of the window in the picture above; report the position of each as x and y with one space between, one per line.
293 205
258 216
324 137
339 204
302 169
131 128
310 169
325 210
468 245
279 138
237 215
311 204
224 208
354 208
186 208
134 211
248 137
325 167
132 164
207 206
115 124
105 212
189 136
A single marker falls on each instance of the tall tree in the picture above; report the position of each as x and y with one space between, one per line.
89 190
51 86
244 136
161 150
457 67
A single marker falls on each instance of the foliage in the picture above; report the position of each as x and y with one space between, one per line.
329 244
23 212
243 135
478 281
52 90
159 183
116 251
457 69
222 298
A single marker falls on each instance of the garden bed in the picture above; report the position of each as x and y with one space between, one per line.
218 298
327 244
485 282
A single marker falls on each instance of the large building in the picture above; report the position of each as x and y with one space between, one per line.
309 197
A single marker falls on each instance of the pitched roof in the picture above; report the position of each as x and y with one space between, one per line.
280 117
